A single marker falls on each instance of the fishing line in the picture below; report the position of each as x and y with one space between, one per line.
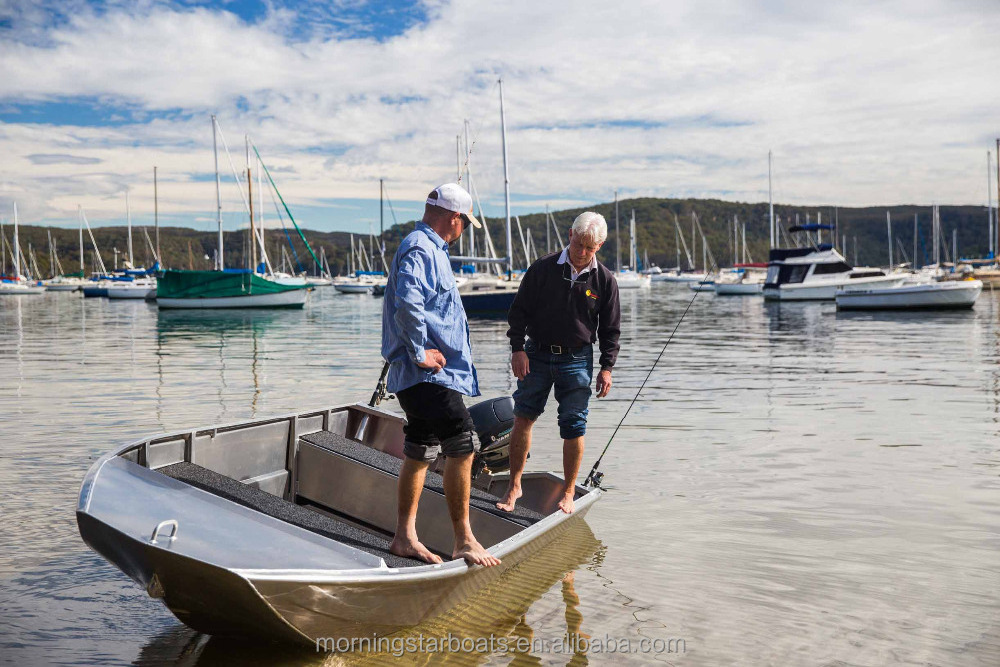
595 476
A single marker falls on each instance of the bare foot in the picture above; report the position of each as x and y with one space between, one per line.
412 549
509 499
566 504
474 554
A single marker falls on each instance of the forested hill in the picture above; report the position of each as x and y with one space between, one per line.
188 248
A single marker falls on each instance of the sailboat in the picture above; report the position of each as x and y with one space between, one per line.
498 295
629 278
136 285
60 282
18 284
679 276
227 288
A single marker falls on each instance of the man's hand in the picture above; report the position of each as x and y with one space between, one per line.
603 383
433 360
519 364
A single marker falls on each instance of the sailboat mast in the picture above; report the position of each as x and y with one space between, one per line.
770 197
888 226
156 217
17 248
468 179
996 218
128 217
633 259
219 263
83 268
506 184
253 228
677 242
618 247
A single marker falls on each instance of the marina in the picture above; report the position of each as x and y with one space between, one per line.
672 336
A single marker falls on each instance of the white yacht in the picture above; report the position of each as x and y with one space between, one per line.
911 295
743 280
816 272
628 279
143 288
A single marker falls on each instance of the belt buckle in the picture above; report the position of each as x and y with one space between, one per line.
556 349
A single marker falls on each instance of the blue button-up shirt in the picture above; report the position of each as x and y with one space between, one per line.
423 310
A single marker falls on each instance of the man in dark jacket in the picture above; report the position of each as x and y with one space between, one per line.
566 302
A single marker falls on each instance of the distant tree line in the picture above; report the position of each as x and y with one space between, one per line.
863 228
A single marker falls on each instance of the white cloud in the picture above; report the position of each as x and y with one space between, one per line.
862 103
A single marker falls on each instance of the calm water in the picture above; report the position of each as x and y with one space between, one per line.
795 486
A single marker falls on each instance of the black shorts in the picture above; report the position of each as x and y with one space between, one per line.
437 422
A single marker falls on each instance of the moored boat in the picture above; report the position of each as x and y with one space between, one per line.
136 289
279 528
911 296
20 288
815 272
225 289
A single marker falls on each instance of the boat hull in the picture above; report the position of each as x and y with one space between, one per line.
681 278
823 290
739 289
319 610
488 301
286 299
132 292
21 290
933 296
353 288
61 287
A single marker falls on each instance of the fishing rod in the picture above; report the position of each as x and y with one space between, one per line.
595 477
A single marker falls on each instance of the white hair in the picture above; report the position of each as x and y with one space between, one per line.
590 225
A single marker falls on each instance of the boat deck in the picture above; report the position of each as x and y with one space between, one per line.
313 510
283 510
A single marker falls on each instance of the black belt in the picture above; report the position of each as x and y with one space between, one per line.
557 349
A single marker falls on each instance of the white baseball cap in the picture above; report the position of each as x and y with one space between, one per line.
453 197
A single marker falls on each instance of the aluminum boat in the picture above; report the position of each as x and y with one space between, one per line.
279 528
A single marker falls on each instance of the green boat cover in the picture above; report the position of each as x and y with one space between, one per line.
175 284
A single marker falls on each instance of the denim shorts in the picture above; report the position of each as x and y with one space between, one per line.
570 373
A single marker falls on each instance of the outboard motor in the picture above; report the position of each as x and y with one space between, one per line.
494 421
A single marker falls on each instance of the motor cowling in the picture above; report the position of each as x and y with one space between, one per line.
494 421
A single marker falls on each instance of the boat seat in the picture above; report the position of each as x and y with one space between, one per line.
273 506
391 465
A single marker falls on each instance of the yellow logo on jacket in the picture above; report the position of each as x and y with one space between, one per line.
592 295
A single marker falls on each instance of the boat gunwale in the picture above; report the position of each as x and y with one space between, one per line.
86 486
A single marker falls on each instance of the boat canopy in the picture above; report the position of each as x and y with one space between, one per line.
176 284
780 254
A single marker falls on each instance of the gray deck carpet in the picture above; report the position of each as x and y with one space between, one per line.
265 503
434 482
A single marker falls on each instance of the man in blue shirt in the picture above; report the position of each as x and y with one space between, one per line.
425 339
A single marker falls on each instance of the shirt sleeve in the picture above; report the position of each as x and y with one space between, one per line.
411 286
609 326
517 316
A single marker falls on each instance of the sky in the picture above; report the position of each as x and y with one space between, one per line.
862 103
